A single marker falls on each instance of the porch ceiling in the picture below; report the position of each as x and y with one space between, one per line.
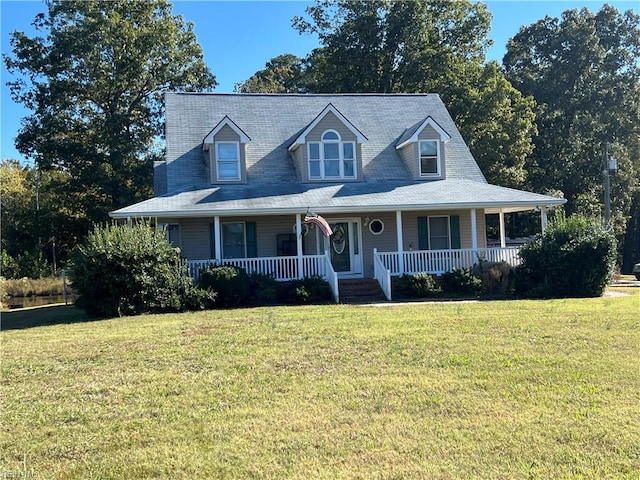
326 198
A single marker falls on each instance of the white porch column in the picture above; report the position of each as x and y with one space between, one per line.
474 230
299 245
503 242
543 218
400 243
217 238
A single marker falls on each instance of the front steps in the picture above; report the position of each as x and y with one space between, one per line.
360 290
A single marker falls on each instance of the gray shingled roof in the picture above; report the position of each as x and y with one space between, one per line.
338 198
273 122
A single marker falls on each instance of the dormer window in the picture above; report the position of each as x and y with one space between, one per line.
228 160
226 144
331 157
430 158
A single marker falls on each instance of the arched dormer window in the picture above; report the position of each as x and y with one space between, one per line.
331 157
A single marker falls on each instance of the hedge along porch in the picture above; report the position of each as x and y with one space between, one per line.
390 173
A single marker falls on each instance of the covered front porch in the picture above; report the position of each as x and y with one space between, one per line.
386 264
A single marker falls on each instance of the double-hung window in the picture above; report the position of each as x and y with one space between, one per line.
439 233
331 157
228 160
233 240
430 158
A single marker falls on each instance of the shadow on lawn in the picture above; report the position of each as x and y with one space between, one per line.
43 316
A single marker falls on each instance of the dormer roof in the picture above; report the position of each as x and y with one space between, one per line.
411 134
301 139
226 121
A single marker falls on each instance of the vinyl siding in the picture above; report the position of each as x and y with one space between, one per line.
195 239
195 234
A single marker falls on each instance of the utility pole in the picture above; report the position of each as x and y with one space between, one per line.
609 165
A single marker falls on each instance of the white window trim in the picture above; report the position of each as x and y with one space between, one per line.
448 217
225 179
340 158
438 173
244 240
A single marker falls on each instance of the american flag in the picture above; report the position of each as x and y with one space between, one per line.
320 222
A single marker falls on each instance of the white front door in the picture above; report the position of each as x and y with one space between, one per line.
345 246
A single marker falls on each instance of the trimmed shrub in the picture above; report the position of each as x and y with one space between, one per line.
309 290
496 278
461 281
230 283
574 257
421 285
263 289
129 270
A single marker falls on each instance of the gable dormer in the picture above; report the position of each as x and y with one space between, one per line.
422 147
329 148
226 144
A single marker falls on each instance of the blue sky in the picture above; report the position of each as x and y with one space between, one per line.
237 38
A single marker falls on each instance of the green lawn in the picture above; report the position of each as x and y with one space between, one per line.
499 390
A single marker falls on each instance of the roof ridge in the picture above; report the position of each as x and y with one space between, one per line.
354 94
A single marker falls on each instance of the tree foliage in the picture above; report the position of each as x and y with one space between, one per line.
282 74
94 82
38 215
584 72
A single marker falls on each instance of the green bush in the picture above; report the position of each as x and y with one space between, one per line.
420 285
230 283
574 257
9 266
461 281
496 278
263 289
309 290
131 269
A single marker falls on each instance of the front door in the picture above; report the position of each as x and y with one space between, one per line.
344 247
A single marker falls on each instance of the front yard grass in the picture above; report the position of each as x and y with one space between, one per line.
510 389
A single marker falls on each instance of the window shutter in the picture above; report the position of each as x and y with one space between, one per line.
252 239
212 241
423 234
454 225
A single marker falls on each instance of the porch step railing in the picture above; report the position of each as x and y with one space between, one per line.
382 274
437 262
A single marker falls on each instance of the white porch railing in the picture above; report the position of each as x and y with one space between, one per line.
280 268
382 274
438 262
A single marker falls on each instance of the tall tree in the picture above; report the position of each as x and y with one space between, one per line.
584 71
282 74
94 81
421 46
